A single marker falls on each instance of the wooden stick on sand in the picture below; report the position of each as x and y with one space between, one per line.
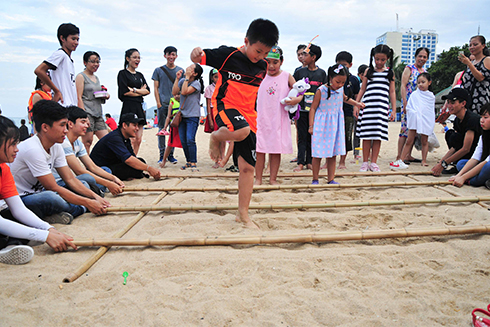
311 205
292 175
280 187
294 238
100 252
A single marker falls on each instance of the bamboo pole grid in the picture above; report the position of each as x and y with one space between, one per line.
116 240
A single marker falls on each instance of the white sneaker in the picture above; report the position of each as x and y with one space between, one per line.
16 254
364 167
64 218
397 165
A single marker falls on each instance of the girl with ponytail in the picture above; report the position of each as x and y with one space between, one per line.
377 91
132 87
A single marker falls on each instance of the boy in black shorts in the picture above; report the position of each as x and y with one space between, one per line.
241 70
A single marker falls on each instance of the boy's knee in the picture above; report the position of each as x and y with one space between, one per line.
242 133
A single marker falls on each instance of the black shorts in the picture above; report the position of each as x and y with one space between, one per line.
232 119
246 149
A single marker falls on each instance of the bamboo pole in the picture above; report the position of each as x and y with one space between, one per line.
101 251
292 175
280 187
320 237
305 205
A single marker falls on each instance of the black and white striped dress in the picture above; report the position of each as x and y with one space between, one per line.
373 119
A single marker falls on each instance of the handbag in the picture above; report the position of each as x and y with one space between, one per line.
176 120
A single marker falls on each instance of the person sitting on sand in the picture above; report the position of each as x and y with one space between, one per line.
18 224
463 140
115 151
241 72
76 154
33 170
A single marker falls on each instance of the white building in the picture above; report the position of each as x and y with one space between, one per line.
405 42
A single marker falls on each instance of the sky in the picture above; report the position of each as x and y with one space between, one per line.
28 33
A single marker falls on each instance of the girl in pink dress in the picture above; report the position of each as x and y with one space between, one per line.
273 124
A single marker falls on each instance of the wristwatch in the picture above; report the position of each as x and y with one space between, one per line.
444 164
134 89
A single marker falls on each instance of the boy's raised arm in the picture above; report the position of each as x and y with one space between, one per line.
196 55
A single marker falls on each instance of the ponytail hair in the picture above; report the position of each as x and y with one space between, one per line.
335 70
381 48
128 54
198 70
9 133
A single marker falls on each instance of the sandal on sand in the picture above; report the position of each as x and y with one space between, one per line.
479 321
194 167
187 165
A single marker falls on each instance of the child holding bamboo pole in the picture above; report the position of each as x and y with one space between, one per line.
327 122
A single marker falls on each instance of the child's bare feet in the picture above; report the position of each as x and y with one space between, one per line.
273 182
324 166
215 166
341 166
258 182
298 168
214 151
309 166
424 164
267 170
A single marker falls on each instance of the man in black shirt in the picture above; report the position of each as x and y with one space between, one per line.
115 151
463 140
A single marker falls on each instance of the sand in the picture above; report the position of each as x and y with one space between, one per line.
428 281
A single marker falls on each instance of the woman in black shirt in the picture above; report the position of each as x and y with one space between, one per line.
132 87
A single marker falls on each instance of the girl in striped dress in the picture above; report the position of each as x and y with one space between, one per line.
377 91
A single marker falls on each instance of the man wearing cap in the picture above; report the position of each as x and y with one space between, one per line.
115 151
163 78
463 139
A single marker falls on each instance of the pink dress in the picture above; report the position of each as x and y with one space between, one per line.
273 123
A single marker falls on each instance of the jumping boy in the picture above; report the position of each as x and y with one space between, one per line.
60 64
241 70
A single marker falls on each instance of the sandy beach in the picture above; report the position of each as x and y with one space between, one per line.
426 281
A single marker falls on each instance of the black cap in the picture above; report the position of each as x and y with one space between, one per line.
132 118
457 93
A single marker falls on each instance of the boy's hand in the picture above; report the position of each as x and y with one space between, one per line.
196 55
58 96
310 130
178 75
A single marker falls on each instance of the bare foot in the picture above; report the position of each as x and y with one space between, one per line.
341 166
214 151
424 164
248 223
309 166
273 182
258 182
267 171
324 166
215 166
298 168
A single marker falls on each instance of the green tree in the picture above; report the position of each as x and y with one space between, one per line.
446 67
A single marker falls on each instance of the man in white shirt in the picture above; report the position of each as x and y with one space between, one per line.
76 154
61 67
32 170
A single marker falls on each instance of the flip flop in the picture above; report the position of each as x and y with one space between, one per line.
187 165
415 160
479 321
